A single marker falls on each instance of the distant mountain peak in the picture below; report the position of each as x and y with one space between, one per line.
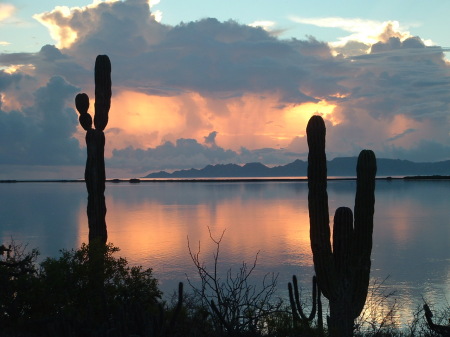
340 166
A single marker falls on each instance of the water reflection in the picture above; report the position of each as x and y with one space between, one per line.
151 223
44 215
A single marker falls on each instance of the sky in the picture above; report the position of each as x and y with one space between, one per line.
206 82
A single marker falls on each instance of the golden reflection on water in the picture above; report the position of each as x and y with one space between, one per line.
151 223
155 234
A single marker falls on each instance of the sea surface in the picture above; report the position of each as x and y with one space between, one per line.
153 222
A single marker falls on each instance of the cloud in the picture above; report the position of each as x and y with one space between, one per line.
401 78
210 92
363 31
266 24
188 153
41 134
206 56
400 135
102 25
211 139
6 11
423 151
184 153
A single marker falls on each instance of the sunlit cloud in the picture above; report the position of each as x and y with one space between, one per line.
58 22
19 67
266 25
157 14
7 10
365 31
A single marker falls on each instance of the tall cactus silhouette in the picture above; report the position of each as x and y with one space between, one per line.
342 270
94 173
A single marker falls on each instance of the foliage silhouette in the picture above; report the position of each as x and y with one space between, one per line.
58 295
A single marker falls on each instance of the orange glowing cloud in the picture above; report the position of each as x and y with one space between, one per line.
138 113
253 121
145 121
297 117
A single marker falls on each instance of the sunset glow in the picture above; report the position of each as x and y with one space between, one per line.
155 228
299 116
221 87
143 121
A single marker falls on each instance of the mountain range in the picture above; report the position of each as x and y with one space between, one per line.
343 166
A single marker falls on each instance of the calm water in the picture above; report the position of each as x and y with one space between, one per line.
152 222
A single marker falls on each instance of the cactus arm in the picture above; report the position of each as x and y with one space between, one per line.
102 91
314 298
295 316
318 206
342 244
82 104
298 314
319 307
363 227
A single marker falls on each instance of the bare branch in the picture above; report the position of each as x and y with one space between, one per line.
234 303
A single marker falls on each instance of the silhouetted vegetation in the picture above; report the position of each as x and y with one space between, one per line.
342 270
299 318
57 298
54 298
443 330
235 305
94 173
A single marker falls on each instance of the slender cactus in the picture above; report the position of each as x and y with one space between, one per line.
298 315
94 174
342 270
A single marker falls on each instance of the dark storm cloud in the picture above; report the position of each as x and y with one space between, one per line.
42 134
424 151
48 62
184 153
188 153
216 58
207 56
400 135
7 80
401 78
211 138
397 80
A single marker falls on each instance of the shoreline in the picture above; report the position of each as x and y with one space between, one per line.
218 179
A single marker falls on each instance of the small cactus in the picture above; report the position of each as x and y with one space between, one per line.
94 174
298 315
